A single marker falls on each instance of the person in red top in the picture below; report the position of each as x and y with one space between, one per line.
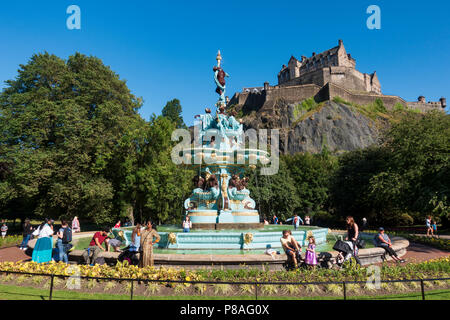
96 246
117 226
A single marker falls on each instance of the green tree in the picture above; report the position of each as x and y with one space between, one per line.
408 174
416 178
274 194
60 122
311 174
147 179
172 110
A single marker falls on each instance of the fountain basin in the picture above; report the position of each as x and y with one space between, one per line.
231 239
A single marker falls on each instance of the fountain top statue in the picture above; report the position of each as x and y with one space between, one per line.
219 79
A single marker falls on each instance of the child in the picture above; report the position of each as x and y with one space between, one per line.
311 258
4 229
434 228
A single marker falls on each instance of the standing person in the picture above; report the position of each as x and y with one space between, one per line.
311 258
353 236
428 225
290 246
76 225
27 231
382 240
434 228
4 229
275 219
130 253
307 220
187 224
117 225
146 258
62 243
96 246
136 238
297 221
43 248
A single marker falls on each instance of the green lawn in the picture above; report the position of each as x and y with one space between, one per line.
10 292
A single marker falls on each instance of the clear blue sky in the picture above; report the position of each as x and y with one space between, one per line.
166 49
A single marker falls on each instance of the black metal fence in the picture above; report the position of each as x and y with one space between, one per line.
256 284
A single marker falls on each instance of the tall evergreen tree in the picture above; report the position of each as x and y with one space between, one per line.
172 110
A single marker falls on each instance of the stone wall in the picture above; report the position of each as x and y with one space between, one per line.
424 107
293 93
331 90
343 76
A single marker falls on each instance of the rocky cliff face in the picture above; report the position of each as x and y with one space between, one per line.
338 126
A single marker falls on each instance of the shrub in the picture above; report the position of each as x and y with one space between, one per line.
110 285
378 105
399 107
247 288
269 289
222 289
200 288
152 288
334 289
291 289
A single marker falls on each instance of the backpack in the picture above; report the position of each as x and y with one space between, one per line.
67 235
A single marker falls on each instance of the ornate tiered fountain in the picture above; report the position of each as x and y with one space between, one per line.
220 198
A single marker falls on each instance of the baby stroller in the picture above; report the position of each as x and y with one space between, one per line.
345 249
130 256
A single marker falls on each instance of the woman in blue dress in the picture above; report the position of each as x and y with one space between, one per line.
42 251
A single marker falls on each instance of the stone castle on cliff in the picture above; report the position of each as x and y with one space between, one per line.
325 76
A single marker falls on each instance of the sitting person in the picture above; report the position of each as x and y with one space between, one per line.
96 246
382 240
291 246
116 242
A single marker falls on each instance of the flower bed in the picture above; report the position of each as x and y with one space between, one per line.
432 268
438 268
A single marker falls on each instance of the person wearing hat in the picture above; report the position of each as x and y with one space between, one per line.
384 242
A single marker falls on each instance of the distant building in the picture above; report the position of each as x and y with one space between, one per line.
334 66
325 76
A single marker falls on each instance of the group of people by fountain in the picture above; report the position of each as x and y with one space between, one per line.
346 249
143 238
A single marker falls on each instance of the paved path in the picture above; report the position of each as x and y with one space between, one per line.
415 253
14 254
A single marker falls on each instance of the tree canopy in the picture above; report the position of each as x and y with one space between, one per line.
73 143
